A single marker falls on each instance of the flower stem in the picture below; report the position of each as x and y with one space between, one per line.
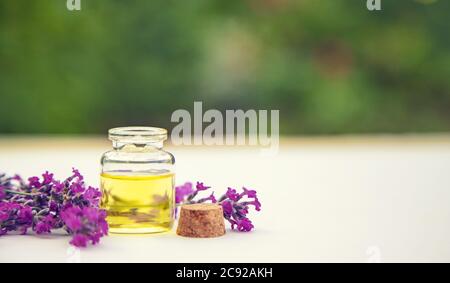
20 193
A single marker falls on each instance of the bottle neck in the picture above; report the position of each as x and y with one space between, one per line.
119 145
137 138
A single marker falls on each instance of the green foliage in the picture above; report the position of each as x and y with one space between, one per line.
329 66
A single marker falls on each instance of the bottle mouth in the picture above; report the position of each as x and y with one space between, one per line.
140 135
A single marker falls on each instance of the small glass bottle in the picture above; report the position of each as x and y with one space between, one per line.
137 181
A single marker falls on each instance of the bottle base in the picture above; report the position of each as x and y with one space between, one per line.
140 230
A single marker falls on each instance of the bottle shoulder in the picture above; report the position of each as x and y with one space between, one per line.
150 156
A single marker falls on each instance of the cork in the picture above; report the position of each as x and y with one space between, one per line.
201 221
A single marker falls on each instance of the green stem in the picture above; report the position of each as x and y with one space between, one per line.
20 193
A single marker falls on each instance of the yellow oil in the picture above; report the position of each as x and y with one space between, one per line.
138 204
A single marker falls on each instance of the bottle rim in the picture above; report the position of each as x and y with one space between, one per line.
137 134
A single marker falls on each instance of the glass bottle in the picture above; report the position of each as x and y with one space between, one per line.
137 181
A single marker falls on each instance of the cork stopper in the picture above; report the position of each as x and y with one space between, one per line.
202 220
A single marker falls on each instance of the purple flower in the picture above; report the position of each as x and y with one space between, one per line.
235 205
3 216
51 205
212 198
58 186
25 214
79 240
4 212
45 225
232 194
71 218
34 182
227 208
17 178
76 174
255 203
93 195
248 193
86 224
244 225
48 178
22 217
76 188
201 187
181 192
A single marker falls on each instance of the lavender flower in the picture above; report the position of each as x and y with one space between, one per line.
236 208
201 187
181 192
185 193
235 205
86 224
45 225
48 178
34 182
46 204
232 194
244 225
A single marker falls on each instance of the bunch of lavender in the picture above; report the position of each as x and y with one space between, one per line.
235 205
46 204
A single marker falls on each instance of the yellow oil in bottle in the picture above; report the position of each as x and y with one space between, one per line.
138 203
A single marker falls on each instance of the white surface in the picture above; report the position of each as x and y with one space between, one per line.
327 202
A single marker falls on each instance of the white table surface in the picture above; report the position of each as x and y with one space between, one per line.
339 200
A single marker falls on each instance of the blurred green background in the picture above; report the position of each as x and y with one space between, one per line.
329 66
